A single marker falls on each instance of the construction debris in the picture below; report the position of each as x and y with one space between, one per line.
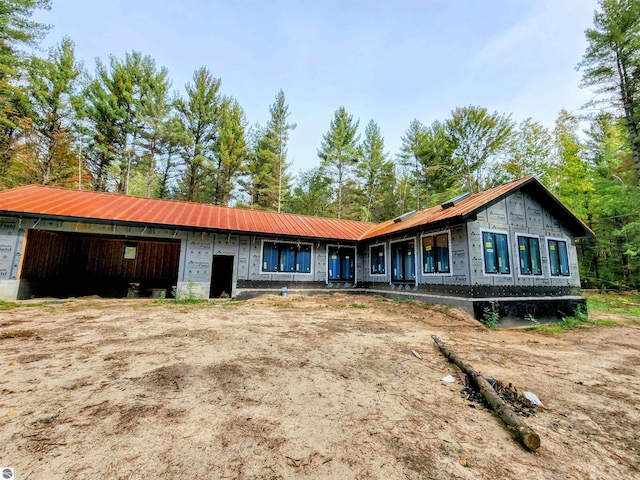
526 435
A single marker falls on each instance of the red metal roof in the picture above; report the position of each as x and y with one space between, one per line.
473 203
82 204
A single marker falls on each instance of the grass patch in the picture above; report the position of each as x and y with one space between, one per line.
400 301
8 305
614 303
578 319
357 305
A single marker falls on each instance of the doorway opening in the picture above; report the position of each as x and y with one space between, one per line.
221 277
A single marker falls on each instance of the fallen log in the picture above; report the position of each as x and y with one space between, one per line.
526 435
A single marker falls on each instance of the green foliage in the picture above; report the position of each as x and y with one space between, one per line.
271 155
614 303
17 30
339 152
530 152
231 152
48 154
188 295
477 137
115 109
491 316
357 305
376 175
8 305
198 114
611 63
312 194
427 152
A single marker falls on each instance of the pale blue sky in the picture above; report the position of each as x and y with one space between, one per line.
390 61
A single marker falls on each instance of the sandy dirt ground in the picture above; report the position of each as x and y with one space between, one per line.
304 387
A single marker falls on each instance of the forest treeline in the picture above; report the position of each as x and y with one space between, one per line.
119 127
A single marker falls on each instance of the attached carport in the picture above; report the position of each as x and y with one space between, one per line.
65 264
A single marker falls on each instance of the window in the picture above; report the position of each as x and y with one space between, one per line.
529 249
377 260
558 258
402 261
286 257
435 253
342 263
496 253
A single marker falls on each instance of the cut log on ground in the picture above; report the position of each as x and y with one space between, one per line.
526 435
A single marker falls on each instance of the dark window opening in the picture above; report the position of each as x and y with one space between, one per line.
558 258
496 253
377 260
529 249
286 258
435 254
403 262
342 263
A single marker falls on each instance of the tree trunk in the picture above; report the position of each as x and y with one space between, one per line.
628 105
526 435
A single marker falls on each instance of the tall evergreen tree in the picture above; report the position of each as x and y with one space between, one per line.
231 152
339 152
199 114
375 173
115 99
17 30
410 155
255 172
273 151
611 63
157 135
52 92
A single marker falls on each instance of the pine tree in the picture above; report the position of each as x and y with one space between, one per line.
410 154
231 152
199 114
375 173
52 92
611 63
339 152
115 100
17 30
275 153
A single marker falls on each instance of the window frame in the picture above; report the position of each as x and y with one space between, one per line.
384 251
288 242
449 253
520 272
354 248
484 252
566 244
415 261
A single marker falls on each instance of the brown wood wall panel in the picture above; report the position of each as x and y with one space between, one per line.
53 254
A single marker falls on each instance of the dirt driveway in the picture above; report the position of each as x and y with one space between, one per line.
303 387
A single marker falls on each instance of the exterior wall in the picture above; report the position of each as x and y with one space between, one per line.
517 214
253 276
11 244
458 259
